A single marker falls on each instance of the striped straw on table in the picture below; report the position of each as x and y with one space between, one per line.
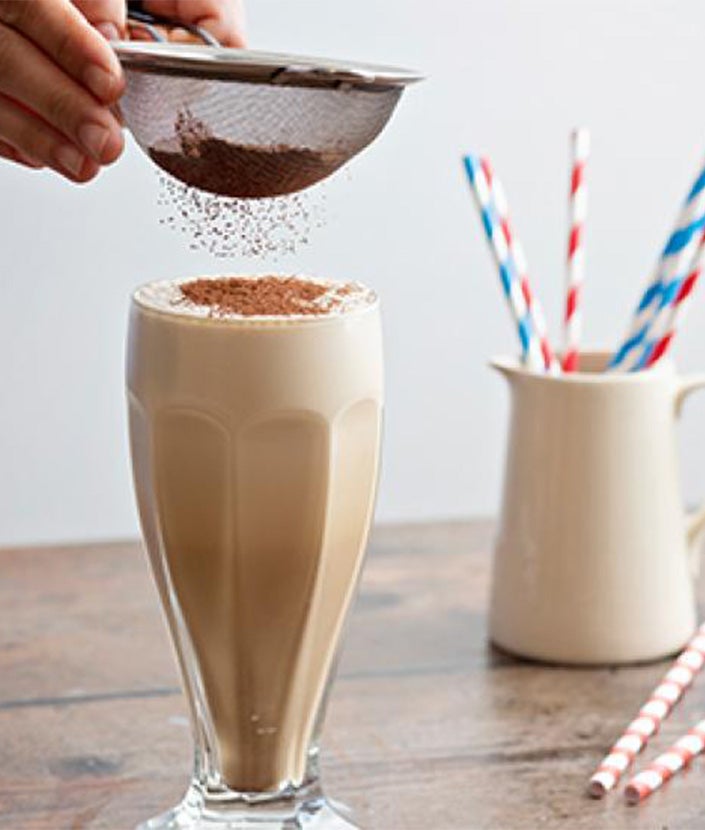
508 274
671 315
666 765
575 264
516 249
659 705
667 277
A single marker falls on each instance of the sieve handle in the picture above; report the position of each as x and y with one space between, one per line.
137 15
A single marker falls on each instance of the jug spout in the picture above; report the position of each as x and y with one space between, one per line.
505 366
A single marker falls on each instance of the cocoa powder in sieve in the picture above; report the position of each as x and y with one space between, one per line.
201 160
225 226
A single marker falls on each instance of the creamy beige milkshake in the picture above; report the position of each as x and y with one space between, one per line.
255 426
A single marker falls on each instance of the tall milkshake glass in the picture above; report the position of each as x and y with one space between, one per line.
255 444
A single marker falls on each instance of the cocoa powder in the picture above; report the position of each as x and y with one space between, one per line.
226 227
201 160
202 168
269 296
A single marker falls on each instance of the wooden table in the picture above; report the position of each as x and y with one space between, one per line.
428 728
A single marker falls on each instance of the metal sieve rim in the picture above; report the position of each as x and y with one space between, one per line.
258 67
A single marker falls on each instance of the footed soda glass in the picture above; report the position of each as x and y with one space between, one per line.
255 451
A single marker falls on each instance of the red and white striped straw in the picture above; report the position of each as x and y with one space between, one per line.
575 266
666 765
516 249
673 314
482 179
652 713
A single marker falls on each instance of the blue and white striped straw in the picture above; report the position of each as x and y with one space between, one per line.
507 267
668 276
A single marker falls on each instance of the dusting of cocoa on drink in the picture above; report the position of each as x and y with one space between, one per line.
271 296
199 159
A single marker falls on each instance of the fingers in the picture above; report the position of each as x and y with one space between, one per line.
68 39
174 34
33 140
225 19
29 77
108 16
7 151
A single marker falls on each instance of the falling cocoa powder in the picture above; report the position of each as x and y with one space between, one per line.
255 228
223 225
199 159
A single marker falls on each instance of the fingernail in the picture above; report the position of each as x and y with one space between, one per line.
100 82
94 137
70 158
109 31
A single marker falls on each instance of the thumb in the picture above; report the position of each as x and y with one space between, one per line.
108 16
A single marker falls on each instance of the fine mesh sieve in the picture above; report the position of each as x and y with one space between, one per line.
252 124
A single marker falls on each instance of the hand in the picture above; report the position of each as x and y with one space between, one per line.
58 79
225 19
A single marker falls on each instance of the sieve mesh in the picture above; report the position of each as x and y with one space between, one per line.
241 132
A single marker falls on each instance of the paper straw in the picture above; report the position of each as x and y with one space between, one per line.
652 713
671 315
666 765
669 271
575 265
516 249
530 346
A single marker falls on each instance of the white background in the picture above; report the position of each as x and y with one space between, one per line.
507 77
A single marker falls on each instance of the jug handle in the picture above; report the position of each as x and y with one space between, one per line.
695 519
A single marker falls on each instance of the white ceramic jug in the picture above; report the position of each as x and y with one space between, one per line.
595 555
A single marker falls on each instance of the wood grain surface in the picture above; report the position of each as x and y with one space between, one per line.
429 728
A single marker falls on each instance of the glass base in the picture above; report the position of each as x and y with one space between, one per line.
199 812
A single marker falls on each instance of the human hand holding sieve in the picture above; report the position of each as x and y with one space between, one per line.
59 77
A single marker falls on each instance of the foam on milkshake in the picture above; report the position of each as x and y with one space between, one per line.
269 297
